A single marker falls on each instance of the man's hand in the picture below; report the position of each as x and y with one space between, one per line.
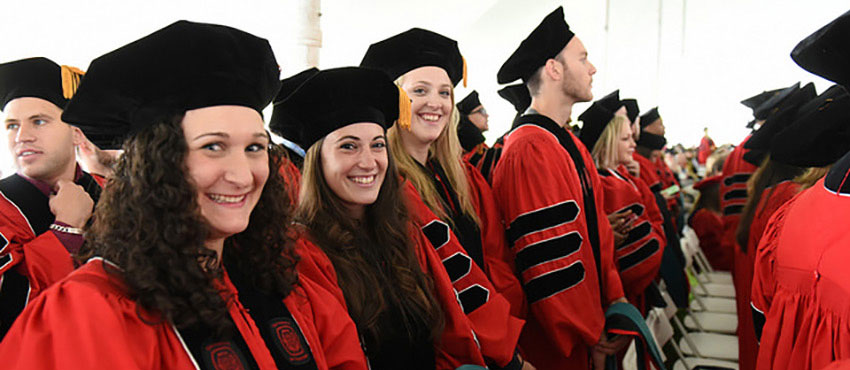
71 204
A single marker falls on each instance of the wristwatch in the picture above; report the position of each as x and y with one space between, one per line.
66 229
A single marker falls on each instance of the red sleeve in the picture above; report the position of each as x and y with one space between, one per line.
539 194
42 259
316 267
488 311
763 274
498 258
709 229
327 326
77 326
652 211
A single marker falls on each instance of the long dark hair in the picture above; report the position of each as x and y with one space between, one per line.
766 176
374 257
148 223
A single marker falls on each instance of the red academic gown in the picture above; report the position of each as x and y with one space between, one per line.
668 179
539 192
771 199
733 197
484 158
639 257
648 172
709 229
801 281
706 146
496 328
89 321
32 257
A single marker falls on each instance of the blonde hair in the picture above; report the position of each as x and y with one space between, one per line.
446 150
811 176
606 150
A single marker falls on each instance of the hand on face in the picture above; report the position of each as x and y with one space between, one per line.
228 164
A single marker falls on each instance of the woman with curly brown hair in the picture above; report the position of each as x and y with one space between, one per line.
192 266
359 240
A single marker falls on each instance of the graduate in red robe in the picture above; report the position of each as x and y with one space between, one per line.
706 222
46 203
551 199
634 216
429 157
190 266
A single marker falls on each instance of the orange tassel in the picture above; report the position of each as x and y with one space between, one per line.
404 110
464 71
70 80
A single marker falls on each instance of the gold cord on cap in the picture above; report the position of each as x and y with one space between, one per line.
464 71
404 110
70 80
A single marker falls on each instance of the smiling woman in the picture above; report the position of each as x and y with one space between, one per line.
190 258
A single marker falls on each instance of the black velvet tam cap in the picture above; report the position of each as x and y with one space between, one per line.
594 120
651 141
772 103
826 52
544 43
754 101
38 78
819 135
649 117
413 49
335 98
611 101
760 139
468 135
181 67
469 103
518 95
632 109
281 122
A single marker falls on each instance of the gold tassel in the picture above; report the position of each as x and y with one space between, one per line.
404 110
464 71
70 80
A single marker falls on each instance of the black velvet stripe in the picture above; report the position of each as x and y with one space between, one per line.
636 208
217 354
437 233
542 219
475 158
549 284
641 254
489 161
737 178
472 298
14 292
457 266
635 234
735 194
548 250
836 179
32 202
734 209
758 321
655 188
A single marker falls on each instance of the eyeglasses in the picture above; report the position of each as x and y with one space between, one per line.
481 110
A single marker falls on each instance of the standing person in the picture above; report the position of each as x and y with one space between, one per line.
48 201
192 267
706 147
637 223
705 220
800 294
354 215
473 123
428 156
551 198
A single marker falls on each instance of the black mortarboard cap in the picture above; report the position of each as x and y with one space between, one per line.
821 133
632 109
518 95
469 135
760 139
544 43
649 117
280 118
469 103
755 156
334 98
594 120
754 101
38 78
611 101
651 141
416 48
826 52
181 67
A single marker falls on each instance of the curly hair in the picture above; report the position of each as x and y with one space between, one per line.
358 253
149 223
